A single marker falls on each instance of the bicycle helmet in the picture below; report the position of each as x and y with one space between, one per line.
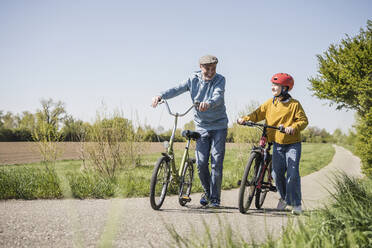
283 79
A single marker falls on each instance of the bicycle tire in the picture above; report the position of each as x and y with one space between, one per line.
261 193
186 182
160 177
248 182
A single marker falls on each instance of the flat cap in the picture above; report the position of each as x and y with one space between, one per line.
208 59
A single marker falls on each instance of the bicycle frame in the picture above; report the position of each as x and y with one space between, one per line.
170 151
265 153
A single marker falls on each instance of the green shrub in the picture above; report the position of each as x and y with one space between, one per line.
91 185
347 222
29 183
364 142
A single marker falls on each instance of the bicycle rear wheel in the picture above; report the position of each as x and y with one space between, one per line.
248 182
159 183
186 183
261 193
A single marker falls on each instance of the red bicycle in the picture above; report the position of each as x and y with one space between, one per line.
257 179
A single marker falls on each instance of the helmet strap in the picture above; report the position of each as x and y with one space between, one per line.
284 94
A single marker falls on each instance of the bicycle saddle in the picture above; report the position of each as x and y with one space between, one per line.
191 134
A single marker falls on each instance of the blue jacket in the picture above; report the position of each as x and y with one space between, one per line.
211 92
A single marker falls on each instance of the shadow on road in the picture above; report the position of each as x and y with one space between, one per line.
192 209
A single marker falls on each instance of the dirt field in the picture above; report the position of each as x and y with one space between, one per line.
28 152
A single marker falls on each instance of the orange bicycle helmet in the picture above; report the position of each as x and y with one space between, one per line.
283 79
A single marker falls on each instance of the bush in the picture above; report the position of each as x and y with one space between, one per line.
364 143
29 183
91 185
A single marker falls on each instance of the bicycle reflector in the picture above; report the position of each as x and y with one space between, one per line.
263 141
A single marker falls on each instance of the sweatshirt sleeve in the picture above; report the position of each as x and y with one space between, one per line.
300 119
175 91
218 94
257 115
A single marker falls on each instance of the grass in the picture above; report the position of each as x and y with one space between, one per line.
345 222
66 175
29 183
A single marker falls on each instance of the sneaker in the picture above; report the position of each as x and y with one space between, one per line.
297 210
213 205
281 204
204 200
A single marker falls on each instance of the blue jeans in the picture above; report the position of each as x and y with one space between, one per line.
211 143
286 159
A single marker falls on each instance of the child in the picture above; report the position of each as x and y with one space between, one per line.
283 110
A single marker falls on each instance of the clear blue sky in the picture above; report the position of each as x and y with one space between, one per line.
122 53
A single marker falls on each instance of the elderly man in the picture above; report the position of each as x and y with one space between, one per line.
207 87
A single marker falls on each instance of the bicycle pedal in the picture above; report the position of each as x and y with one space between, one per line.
186 198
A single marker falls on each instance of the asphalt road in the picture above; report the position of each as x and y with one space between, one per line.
132 222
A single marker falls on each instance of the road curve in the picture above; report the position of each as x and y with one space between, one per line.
132 223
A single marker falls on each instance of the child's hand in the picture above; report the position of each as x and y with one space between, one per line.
240 121
288 130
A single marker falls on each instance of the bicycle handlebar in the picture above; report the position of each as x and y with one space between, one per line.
196 104
251 124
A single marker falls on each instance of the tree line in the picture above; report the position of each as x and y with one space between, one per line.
53 121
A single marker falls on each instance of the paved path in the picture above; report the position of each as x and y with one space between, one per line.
132 222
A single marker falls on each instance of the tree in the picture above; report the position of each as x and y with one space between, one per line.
53 113
345 78
189 126
73 130
27 121
9 120
47 130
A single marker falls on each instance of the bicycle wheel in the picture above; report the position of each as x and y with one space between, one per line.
261 193
186 183
159 183
248 183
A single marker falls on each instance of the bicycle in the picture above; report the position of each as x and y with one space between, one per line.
258 181
165 170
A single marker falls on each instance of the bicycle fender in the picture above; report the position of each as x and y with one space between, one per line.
256 149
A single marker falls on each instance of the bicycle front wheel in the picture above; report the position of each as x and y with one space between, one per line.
159 183
261 192
186 183
248 182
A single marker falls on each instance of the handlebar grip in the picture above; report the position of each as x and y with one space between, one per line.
248 123
282 129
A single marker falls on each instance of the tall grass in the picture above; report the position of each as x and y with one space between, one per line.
345 222
91 185
29 183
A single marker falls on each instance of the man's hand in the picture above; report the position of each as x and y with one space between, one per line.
288 130
203 106
240 121
155 101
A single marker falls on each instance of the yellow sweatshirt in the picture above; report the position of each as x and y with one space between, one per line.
288 114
